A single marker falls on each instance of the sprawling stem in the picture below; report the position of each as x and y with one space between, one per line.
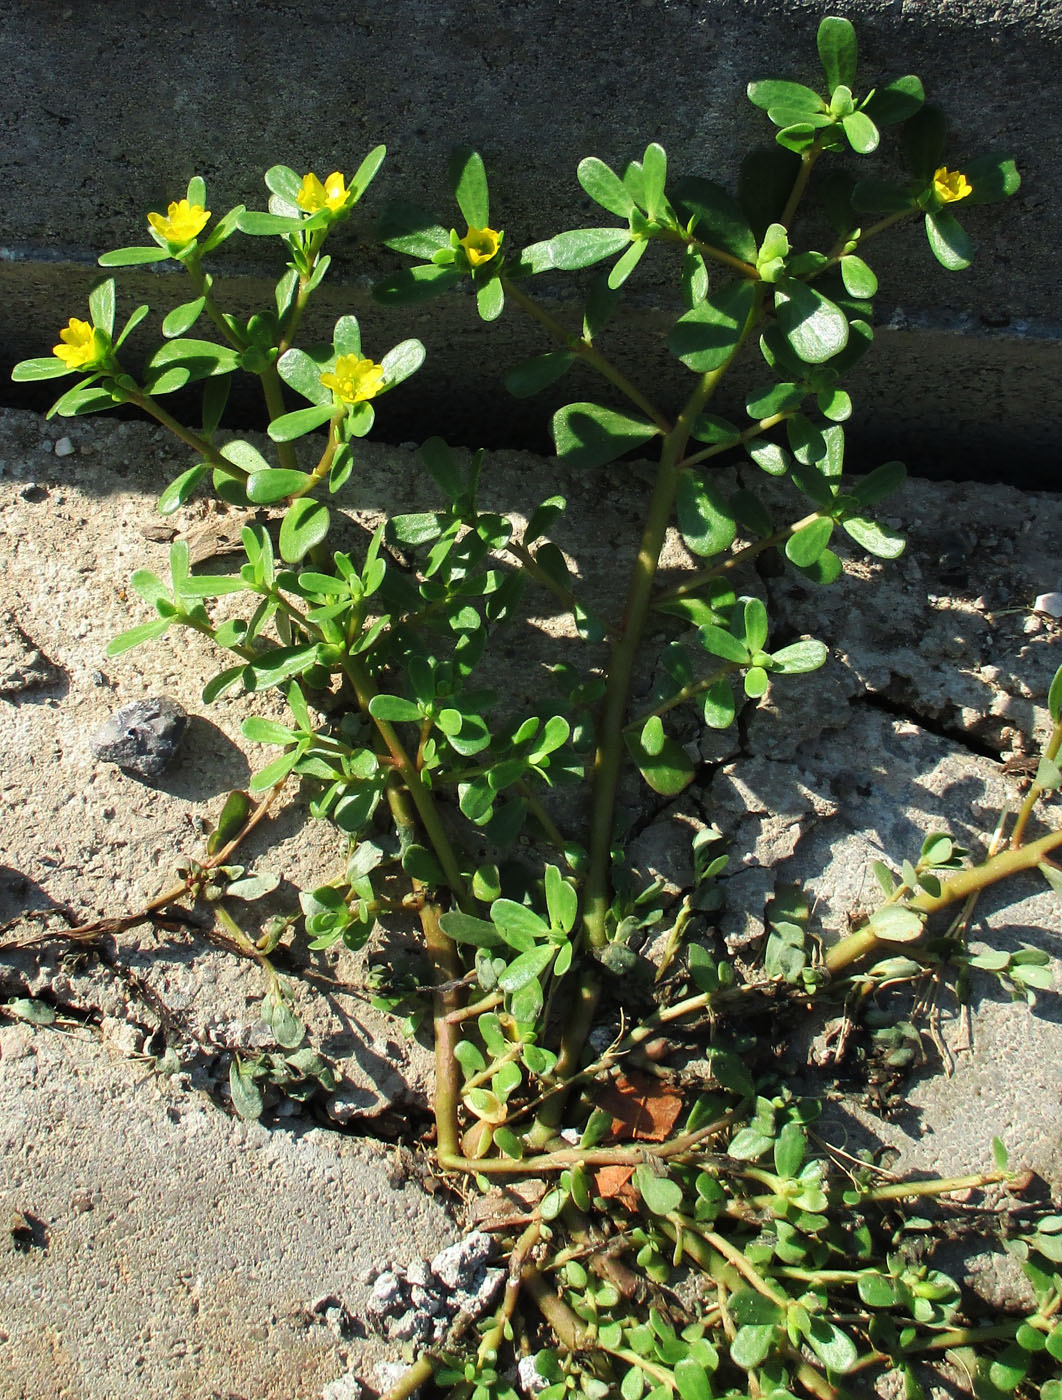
966 882
1017 835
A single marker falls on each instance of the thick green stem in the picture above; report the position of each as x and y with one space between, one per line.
1033 795
580 1023
609 753
938 1186
422 798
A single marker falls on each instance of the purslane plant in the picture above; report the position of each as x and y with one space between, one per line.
446 796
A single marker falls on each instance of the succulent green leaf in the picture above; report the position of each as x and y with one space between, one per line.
183 318
144 632
246 1096
751 1345
654 178
46 367
587 435
859 280
723 644
708 427
717 218
775 92
1054 697
265 487
180 362
468 180
814 327
463 928
861 132
366 171
896 101
303 371
668 771
625 265
526 968
101 304
179 490
800 657
259 225
832 1346
882 197
948 240
490 298
704 518
879 483
838 52
661 1194
305 525
575 249
533 375
704 338
790 1147
808 543
406 228
133 257
876 539
394 709
720 706
295 425
893 924
993 177
605 187
779 398
400 362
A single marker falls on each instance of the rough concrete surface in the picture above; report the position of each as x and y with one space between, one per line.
109 112
181 1252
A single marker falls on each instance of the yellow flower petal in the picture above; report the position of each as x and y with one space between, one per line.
79 345
335 190
480 245
181 223
951 185
354 380
313 196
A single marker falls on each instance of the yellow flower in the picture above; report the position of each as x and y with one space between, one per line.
480 245
354 380
951 185
313 196
181 222
81 346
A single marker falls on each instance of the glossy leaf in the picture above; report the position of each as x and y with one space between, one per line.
575 249
896 101
133 257
704 519
924 138
667 771
181 489
265 487
587 435
468 180
861 132
305 525
706 337
838 52
993 177
407 228
876 539
948 240
534 375
605 187
775 92
290 426
814 328
805 546
183 318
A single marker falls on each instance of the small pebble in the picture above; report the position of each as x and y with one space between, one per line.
1049 603
64 447
141 738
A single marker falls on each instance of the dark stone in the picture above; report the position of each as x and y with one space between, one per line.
141 738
